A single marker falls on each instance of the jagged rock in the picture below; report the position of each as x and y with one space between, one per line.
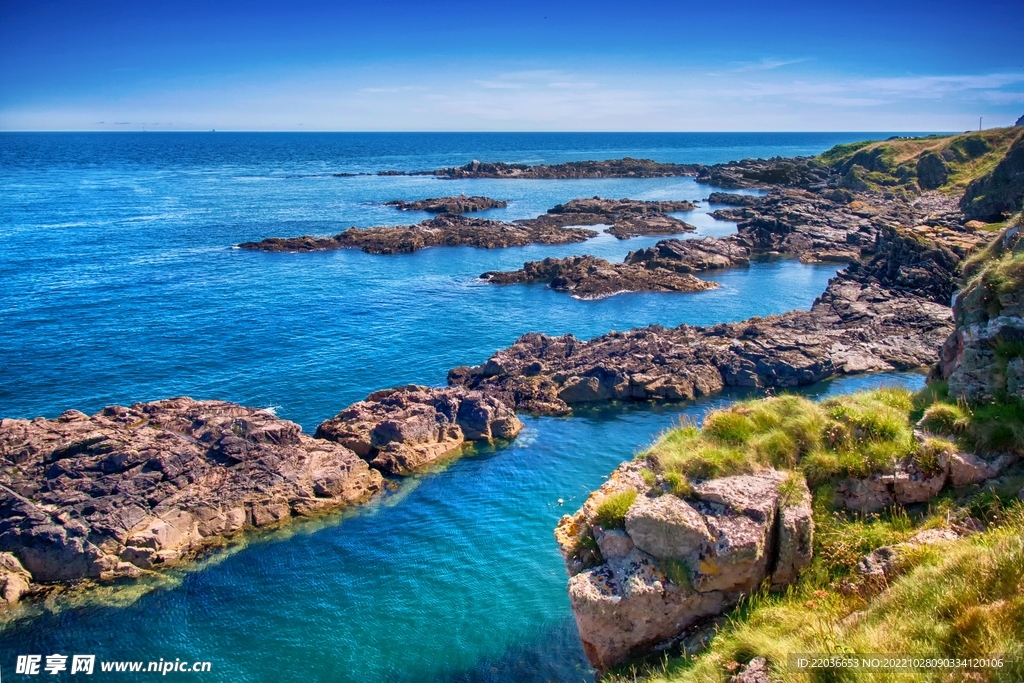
723 543
870 318
588 277
127 489
628 217
443 231
400 430
456 204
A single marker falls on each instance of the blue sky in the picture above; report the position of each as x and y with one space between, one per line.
441 65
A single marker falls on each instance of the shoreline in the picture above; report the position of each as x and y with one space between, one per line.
442 428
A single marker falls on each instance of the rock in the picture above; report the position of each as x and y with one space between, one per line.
14 581
614 168
868 319
967 468
667 527
401 430
128 489
732 199
754 672
988 322
628 605
679 561
628 217
796 537
458 204
588 277
446 230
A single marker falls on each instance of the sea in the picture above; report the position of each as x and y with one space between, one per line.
120 282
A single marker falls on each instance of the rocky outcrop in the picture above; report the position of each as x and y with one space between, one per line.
130 489
589 277
457 204
14 581
859 324
691 256
732 199
400 430
628 217
613 168
443 231
677 560
981 359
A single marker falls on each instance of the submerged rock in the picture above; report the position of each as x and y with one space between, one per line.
129 489
400 430
679 560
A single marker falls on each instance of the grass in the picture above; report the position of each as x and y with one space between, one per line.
853 435
611 512
891 165
963 598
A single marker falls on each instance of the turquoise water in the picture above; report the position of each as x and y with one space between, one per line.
119 284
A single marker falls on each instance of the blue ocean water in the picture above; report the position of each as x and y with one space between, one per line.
119 283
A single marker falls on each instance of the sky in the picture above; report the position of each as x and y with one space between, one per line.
443 65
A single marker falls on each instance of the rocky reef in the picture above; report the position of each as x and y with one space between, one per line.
133 488
628 217
613 168
560 225
589 277
887 314
443 231
646 563
406 428
456 204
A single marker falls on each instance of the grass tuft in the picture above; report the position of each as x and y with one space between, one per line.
611 512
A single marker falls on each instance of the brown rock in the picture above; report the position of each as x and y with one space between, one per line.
104 496
400 430
588 277
457 204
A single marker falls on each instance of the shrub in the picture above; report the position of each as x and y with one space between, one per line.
611 512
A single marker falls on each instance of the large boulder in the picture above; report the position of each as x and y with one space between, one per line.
679 560
404 429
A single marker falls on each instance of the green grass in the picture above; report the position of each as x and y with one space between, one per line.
964 598
891 165
853 435
988 429
611 512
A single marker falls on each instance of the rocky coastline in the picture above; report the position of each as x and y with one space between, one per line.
133 489
560 225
